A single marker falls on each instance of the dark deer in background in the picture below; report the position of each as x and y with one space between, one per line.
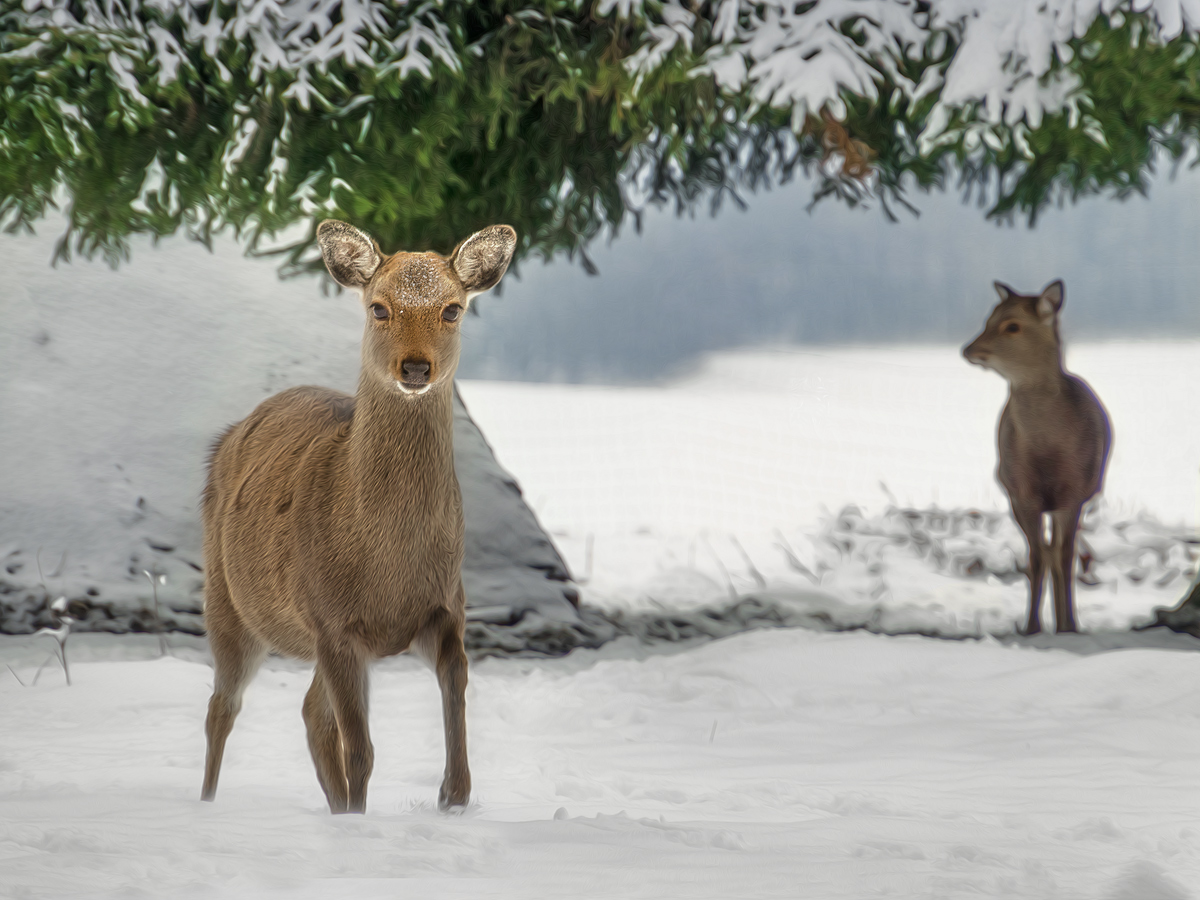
333 526
1054 438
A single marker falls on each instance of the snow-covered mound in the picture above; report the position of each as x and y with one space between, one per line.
955 574
115 384
960 573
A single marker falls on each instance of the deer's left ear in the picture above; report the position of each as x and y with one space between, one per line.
482 259
1051 299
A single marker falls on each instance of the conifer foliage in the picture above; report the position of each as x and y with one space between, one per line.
423 121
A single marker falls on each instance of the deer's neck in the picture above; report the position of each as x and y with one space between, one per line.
401 455
1045 377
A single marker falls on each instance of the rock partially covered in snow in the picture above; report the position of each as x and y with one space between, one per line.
511 568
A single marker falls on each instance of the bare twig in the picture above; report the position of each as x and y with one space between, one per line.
58 570
60 634
58 610
158 625
733 594
793 560
15 675
754 573
38 673
887 493
588 549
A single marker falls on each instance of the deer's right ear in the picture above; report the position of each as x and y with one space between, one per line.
1003 290
350 256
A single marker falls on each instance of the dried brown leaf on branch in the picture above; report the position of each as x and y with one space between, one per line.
856 155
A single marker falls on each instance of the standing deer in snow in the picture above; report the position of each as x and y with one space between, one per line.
333 525
1054 438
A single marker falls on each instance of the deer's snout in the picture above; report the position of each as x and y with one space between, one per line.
973 353
414 374
415 370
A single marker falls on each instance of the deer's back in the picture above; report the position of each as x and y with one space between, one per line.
274 510
1053 446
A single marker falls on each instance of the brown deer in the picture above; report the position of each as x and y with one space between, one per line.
333 525
1053 439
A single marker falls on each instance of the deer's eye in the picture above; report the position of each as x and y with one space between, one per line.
451 313
379 311
1012 328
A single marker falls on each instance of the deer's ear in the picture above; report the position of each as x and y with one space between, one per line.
350 256
1005 292
481 260
1051 300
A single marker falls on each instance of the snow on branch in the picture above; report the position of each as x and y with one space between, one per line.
797 55
292 36
804 55
801 56
1008 66
677 27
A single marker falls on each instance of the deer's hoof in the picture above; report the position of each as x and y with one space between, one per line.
450 798
338 805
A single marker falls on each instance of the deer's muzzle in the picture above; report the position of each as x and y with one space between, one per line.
975 354
414 376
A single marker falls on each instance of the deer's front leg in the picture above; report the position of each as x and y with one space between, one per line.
1029 518
325 744
344 674
1065 524
442 644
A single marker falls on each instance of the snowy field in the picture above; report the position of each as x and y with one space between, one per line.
689 493
772 764
783 763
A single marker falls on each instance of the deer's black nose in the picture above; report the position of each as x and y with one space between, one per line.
416 371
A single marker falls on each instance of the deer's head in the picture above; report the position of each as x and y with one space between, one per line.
414 302
1020 339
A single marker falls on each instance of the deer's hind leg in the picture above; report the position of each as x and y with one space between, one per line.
1029 518
237 654
1065 524
325 745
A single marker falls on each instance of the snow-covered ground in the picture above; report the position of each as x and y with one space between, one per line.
789 762
781 763
688 493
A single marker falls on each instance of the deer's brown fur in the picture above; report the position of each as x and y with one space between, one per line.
333 526
1053 439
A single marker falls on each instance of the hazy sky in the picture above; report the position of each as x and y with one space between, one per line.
774 274
777 274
